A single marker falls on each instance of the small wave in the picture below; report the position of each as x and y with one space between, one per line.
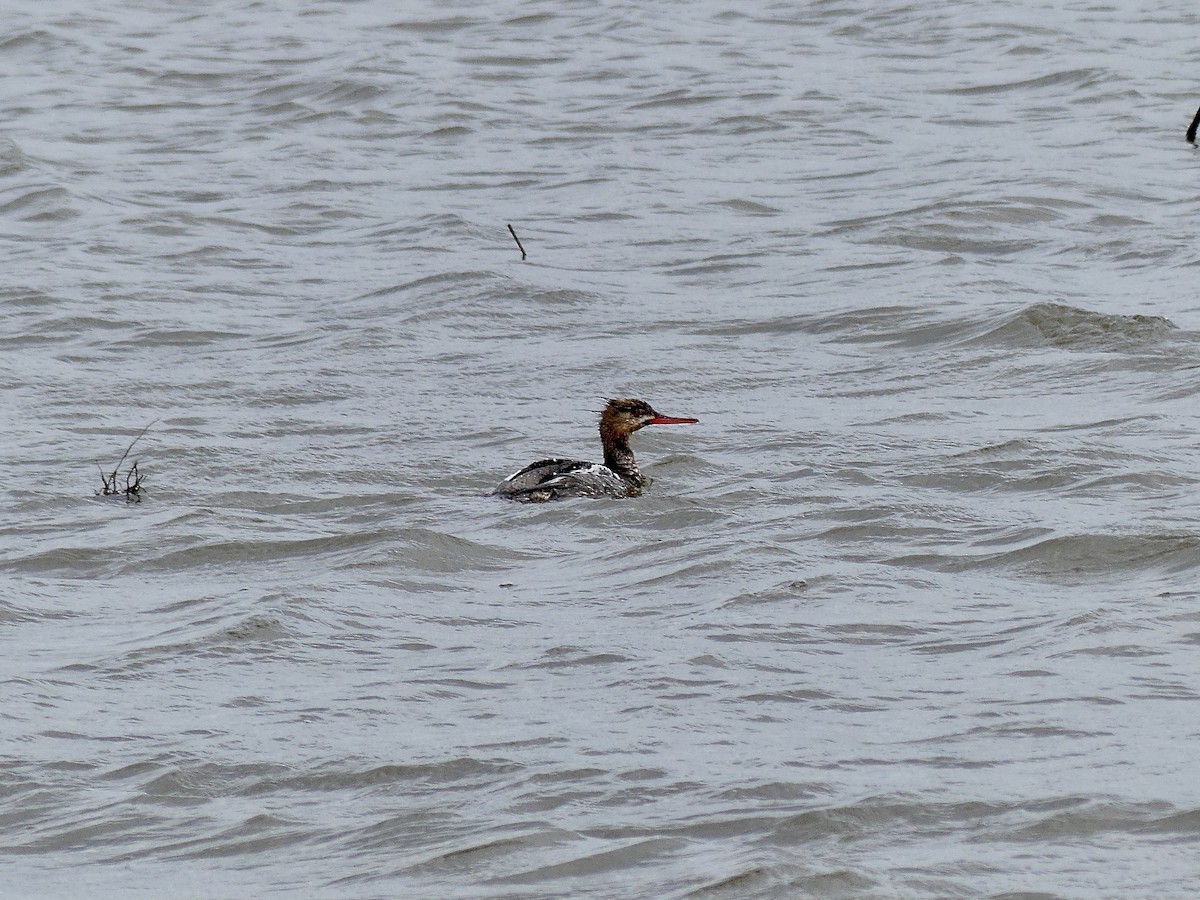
1079 558
447 25
1055 80
511 62
779 882
216 635
587 866
747 207
12 160
38 204
569 658
676 98
220 555
1071 328
746 124
960 226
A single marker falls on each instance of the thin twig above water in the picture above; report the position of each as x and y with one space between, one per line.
518 240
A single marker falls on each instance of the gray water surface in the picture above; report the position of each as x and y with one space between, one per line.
912 612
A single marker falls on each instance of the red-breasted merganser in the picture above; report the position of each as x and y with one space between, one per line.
550 479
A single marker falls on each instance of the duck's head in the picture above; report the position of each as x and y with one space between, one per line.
624 417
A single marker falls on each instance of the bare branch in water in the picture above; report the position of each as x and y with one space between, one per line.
133 478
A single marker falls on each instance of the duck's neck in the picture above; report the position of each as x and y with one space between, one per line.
619 458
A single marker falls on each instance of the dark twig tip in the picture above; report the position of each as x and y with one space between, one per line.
1191 132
